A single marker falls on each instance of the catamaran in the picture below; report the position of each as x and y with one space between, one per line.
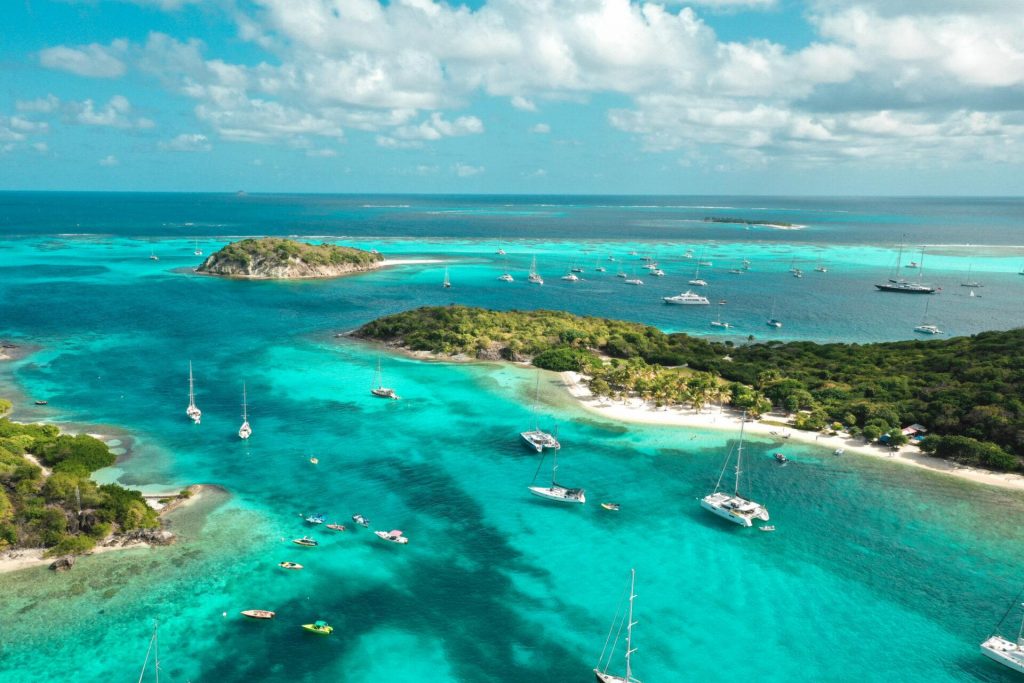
735 508
245 431
447 284
697 281
687 298
571 277
925 327
506 276
381 391
536 438
556 491
192 411
601 674
534 278
1007 652
772 320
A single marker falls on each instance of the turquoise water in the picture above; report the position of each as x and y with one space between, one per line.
876 573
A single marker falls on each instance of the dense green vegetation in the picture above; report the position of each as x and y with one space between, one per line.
67 511
279 250
966 387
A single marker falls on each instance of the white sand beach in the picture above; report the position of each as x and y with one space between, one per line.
635 410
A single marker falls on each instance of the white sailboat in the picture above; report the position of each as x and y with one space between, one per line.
734 507
537 439
925 327
192 411
556 491
718 322
534 278
772 320
154 649
601 674
198 251
970 282
634 280
506 276
381 391
1007 652
245 431
447 284
697 281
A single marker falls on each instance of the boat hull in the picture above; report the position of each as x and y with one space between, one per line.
557 494
608 678
1001 650
538 440
911 289
717 504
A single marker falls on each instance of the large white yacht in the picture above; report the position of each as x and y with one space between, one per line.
1007 652
687 298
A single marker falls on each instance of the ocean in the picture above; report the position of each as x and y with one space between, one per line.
877 572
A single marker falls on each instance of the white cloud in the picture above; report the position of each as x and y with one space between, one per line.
321 153
42 105
437 127
27 126
117 113
465 170
91 61
541 128
523 103
187 142
109 160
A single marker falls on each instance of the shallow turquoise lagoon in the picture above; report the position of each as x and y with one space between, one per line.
876 573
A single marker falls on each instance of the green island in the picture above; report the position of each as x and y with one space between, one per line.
280 258
967 391
47 498
746 221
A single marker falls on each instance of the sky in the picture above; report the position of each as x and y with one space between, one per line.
766 97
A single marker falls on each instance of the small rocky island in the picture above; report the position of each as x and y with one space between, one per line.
280 258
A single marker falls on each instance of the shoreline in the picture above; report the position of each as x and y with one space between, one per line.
636 411
377 265
17 559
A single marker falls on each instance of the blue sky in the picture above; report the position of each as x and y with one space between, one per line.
514 96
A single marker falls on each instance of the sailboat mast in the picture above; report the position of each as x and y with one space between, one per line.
554 468
629 629
191 386
156 652
245 408
739 455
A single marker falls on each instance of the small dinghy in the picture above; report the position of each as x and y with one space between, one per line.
258 613
781 459
770 527
306 542
395 536
41 403
360 520
318 518
289 565
610 506
315 461
319 627
336 527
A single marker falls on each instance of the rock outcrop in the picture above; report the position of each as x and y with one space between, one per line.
279 258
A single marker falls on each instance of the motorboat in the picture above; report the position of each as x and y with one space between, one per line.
319 627
336 527
395 536
780 458
360 520
289 565
315 519
258 613
611 506
306 542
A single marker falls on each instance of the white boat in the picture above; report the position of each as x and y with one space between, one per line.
536 438
571 277
687 298
688 254
697 281
718 322
772 320
501 252
734 507
634 281
381 391
395 536
534 277
925 327
198 251
152 256
506 277
556 491
798 273
245 431
658 272
601 673
192 411
821 269
447 284
1007 652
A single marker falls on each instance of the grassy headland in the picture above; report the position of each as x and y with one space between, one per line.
276 257
968 391
66 511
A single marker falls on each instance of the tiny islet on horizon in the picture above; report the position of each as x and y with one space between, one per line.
446 456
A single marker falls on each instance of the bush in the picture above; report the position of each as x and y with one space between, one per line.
79 455
565 358
72 545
